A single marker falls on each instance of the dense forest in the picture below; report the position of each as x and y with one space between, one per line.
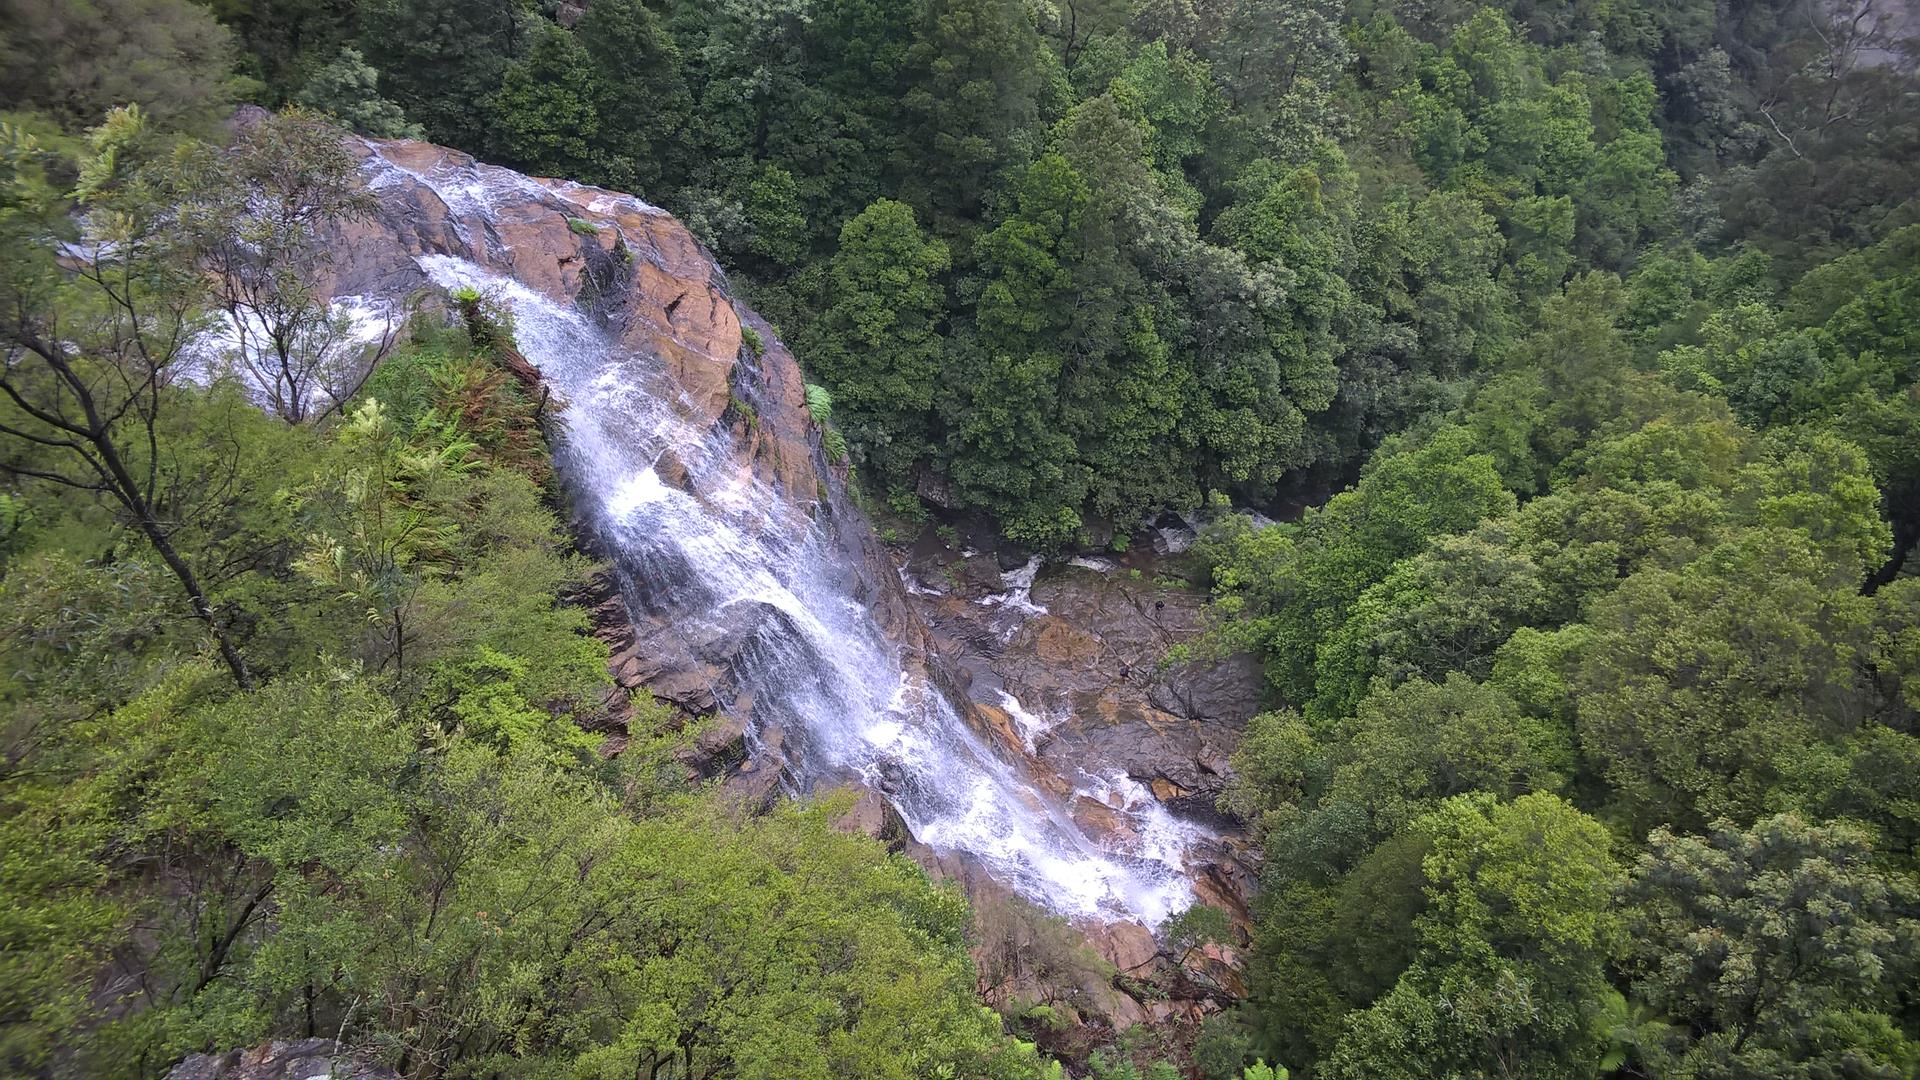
1588 333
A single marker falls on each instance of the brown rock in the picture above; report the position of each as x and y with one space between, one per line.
722 737
999 723
1129 946
1058 642
873 816
279 1060
754 788
642 271
1102 822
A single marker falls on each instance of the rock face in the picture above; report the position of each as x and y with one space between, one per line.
632 265
654 289
305 1059
1063 666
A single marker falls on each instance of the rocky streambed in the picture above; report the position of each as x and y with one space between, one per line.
1063 662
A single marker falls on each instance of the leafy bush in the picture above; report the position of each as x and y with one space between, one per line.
819 404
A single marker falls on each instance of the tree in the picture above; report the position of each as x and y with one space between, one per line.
93 346
1409 747
75 61
1512 947
877 344
1775 943
1299 224
1702 686
979 72
1005 381
1295 589
348 89
1281 63
442 60
1443 611
544 117
259 217
641 99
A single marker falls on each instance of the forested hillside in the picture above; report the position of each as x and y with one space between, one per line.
1590 332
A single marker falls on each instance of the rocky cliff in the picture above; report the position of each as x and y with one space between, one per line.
1116 740
635 268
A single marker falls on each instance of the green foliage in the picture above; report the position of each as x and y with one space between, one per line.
348 89
74 62
1636 548
836 446
877 346
544 115
1779 942
819 404
1670 630
1518 926
442 61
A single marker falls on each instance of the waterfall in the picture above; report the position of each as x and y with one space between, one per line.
719 555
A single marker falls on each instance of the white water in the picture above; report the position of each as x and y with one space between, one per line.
1031 727
730 557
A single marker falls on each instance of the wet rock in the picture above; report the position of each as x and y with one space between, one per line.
1231 689
873 816
1000 722
720 743
1090 666
636 268
1103 822
1057 641
1024 954
933 490
1129 946
976 577
304 1059
1012 556
754 787
1215 971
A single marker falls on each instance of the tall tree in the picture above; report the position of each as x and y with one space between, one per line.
877 345
95 340
259 217
441 60
1782 942
980 74
74 61
640 95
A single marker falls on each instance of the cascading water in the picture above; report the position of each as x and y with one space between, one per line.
719 554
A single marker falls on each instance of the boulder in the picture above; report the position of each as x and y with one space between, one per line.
1231 689
1129 946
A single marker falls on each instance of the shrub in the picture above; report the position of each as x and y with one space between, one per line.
583 227
905 502
745 410
819 404
755 343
